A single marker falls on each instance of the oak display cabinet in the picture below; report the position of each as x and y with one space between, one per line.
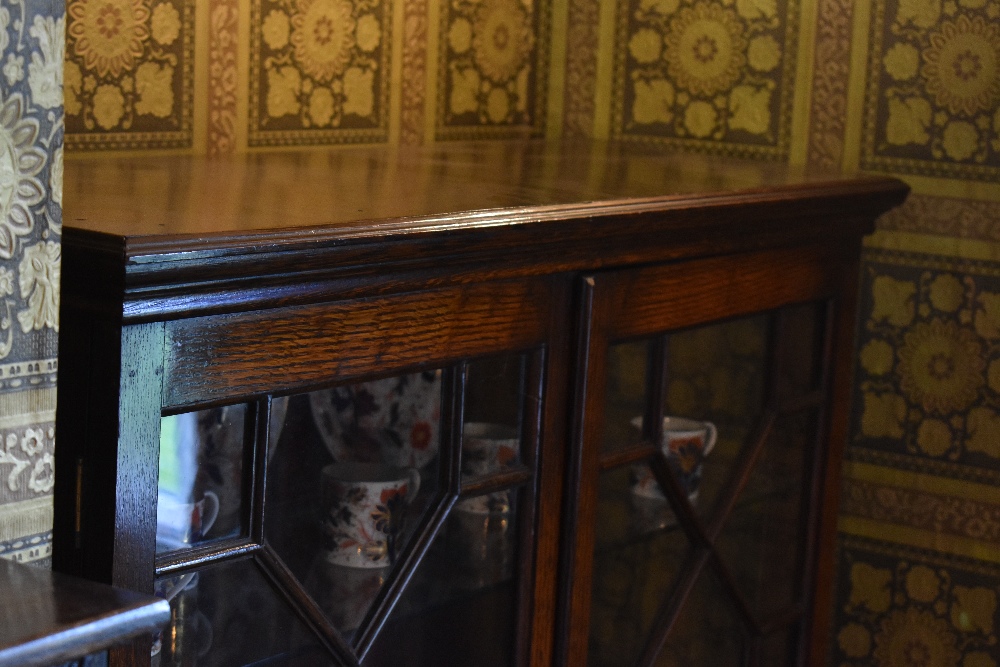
398 407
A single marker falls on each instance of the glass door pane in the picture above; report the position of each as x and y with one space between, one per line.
460 607
201 476
639 555
705 456
349 484
229 614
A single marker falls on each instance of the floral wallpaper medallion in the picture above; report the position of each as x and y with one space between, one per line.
928 369
933 99
492 68
319 71
706 75
901 607
129 74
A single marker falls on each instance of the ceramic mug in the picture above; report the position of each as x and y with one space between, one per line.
364 505
180 524
395 420
487 449
685 443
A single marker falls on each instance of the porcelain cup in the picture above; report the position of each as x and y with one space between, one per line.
487 449
180 524
685 443
364 507
394 420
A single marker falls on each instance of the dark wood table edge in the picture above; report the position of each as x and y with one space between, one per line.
122 615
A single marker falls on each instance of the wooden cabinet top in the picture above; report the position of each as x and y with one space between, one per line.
525 206
47 617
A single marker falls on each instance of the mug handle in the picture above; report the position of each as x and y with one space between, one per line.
211 512
713 435
411 493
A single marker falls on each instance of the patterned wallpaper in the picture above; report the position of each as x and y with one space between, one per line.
216 76
907 87
31 140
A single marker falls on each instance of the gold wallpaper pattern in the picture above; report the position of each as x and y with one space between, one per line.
828 103
128 74
928 373
492 73
707 75
413 88
582 40
319 71
933 98
904 606
223 75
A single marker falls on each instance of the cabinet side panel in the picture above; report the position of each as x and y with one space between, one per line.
78 387
844 330
212 358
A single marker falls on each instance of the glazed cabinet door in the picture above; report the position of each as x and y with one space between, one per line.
703 417
355 483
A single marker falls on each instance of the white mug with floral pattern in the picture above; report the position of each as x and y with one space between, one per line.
685 443
364 507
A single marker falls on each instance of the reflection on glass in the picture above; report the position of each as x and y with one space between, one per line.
360 470
200 486
800 353
716 374
491 433
395 420
488 449
229 615
625 398
761 542
638 556
708 631
459 608
494 390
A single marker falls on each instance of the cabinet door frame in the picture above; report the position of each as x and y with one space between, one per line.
654 300
181 364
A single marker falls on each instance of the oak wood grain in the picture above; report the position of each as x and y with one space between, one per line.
215 358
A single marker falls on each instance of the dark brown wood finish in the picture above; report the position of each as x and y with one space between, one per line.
655 300
48 618
190 283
